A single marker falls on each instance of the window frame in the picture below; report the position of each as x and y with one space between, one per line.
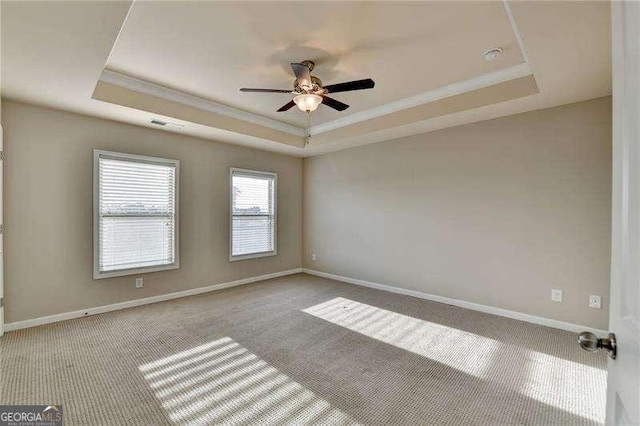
99 153
274 252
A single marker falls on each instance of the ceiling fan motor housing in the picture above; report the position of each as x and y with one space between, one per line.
316 86
316 83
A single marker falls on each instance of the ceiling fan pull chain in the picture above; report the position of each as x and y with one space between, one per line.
308 141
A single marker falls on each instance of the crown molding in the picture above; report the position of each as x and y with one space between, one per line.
142 86
496 77
516 31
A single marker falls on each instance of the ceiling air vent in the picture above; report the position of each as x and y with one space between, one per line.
493 54
166 124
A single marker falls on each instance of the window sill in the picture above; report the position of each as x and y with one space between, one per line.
134 271
252 256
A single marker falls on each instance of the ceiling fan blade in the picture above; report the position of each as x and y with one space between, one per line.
330 102
244 89
286 107
367 83
303 74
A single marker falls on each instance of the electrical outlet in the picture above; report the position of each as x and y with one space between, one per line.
313 257
595 302
556 295
139 282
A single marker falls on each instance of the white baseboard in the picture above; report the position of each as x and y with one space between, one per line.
143 301
463 304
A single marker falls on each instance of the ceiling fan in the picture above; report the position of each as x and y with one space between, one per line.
309 92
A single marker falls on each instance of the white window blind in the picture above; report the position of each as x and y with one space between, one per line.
136 214
253 214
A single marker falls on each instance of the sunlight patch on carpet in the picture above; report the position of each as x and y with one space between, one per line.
567 385
221 382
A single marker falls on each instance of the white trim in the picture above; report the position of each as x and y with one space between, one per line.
258 173
490 79
143 301
516 31
99 153
486 80
462 304
115 42
148 88
253 256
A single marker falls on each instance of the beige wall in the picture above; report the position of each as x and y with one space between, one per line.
48 211
497 212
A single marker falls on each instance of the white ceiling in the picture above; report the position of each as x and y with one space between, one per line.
53 53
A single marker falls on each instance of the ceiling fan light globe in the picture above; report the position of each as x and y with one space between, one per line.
307 102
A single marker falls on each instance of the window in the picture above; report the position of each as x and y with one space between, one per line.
253 214
135 214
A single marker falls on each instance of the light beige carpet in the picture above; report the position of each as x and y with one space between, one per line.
303 350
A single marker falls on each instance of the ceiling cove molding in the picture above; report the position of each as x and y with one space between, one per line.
124 23
516 31
496 77
138 85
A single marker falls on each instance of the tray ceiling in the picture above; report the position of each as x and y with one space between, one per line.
185 61
211 49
